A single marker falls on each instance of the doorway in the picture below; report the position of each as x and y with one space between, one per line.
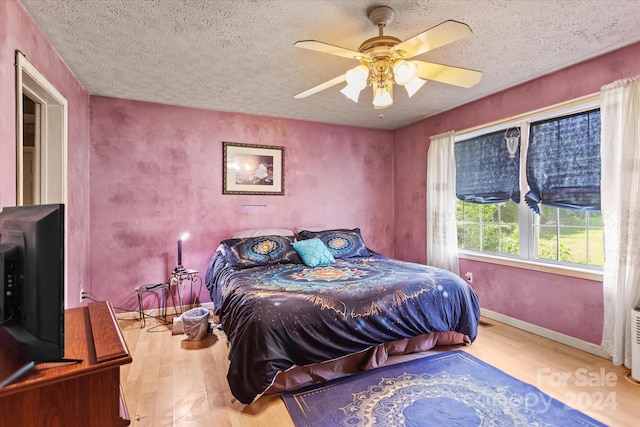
41 152
41 143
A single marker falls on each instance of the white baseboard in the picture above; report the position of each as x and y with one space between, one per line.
547 333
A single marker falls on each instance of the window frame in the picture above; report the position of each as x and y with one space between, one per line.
526 220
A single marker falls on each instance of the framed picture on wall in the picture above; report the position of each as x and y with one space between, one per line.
252 169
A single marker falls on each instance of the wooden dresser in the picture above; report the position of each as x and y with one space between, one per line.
76 394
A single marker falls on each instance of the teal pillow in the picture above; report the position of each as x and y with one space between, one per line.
313 252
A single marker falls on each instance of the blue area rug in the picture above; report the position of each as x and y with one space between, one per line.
446 389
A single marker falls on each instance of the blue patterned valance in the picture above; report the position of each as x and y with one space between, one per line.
484 171
563 162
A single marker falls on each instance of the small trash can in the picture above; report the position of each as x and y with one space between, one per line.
196 323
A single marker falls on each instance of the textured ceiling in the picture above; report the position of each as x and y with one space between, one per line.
239 55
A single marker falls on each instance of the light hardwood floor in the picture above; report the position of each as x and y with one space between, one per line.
169 385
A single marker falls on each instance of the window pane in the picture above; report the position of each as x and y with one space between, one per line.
595 219
596 238
509 212
548 243
573 245
491 238
490 213
510 240
579 244
548 215
473 236
573 217
472 212
596 247
461 237
459 214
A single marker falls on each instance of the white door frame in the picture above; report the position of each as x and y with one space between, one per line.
51 134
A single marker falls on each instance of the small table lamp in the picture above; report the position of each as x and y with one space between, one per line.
180 267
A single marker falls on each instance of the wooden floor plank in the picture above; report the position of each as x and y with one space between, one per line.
169 385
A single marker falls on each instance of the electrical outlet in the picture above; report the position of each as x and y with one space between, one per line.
81 295
469 276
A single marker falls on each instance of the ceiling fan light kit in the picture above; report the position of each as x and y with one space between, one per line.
382 95
351 92
383 61
404 71
414 85
357 79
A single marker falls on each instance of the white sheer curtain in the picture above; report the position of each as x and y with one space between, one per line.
620 192
442 239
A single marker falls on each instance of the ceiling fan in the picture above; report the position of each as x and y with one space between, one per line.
383 61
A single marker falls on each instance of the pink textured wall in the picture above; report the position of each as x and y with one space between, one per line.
568 305
156 171
18 31
555 302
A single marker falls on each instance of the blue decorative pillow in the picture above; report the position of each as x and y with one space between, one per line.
341 242
313 252
263 250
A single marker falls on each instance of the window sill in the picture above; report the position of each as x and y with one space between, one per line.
563 270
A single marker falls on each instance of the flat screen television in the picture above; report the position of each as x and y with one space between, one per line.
32 279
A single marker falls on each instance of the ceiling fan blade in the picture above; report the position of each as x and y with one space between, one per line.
456 76
440 35
330 49
322 86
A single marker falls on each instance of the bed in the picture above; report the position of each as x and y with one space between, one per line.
306 309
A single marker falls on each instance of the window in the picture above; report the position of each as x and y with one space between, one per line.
558 221
568 236
488 227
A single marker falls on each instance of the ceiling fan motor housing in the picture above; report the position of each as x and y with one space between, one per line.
379 50
382 16
380 56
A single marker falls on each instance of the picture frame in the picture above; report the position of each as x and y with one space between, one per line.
252 169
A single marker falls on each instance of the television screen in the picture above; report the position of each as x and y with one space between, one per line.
32 278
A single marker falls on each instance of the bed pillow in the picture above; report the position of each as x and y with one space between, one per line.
299 229
341 242
313 252
263 250
260 232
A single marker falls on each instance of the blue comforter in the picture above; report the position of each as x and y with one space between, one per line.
281 315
